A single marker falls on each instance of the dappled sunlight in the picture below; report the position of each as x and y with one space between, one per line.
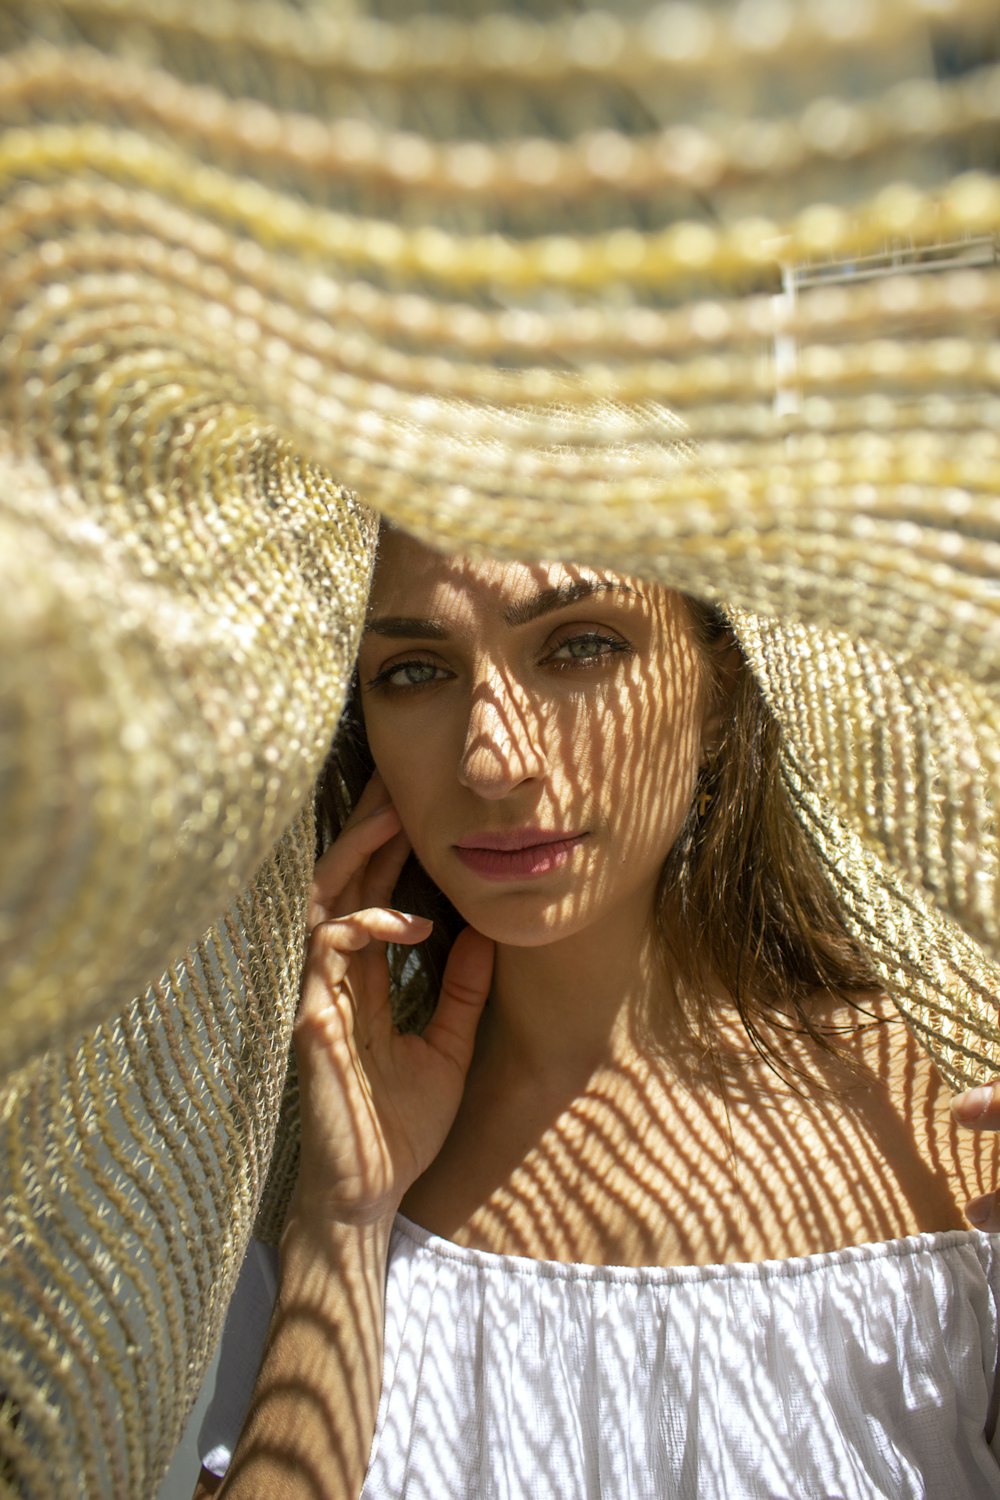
505 737
300 1421
595 1126
661 1165
579 1380
674 1191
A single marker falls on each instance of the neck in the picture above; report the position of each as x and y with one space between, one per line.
561 1010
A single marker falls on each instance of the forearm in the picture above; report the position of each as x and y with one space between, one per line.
311 1420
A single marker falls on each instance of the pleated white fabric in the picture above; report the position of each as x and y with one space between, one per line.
860 1373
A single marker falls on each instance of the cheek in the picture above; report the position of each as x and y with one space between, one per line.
387 750
407 767
655 767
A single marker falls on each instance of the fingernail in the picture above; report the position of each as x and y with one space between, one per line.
407 916
973 1103
979 1210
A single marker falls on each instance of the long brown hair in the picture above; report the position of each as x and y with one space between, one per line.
741 904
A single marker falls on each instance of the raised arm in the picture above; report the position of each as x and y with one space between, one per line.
376 1107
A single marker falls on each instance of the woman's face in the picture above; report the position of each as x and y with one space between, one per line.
538 727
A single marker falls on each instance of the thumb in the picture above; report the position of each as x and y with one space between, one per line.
466 983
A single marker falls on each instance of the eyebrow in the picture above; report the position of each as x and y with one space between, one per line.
543 603
564 594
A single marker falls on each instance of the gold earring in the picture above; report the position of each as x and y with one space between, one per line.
706 776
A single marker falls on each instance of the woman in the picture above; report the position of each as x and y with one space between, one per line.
657 1061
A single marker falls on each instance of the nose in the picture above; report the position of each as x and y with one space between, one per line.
503 742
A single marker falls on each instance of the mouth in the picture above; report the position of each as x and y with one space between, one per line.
521 854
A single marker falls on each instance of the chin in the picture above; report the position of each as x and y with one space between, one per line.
533 926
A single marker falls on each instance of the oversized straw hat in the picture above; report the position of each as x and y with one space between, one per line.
707 292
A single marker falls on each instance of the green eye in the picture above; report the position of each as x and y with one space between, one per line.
586 647
413 673
401 675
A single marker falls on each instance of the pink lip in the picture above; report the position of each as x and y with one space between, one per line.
522 854
516 838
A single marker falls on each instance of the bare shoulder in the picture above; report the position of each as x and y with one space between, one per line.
899 1085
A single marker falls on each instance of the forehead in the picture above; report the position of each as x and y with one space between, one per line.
413 579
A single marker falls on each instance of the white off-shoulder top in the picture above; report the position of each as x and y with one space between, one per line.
859 1373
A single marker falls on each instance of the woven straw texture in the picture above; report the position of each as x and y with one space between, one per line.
703 292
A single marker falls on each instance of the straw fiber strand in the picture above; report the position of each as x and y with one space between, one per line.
708 293
134 1163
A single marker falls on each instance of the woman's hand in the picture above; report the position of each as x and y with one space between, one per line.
979 1109
376 1105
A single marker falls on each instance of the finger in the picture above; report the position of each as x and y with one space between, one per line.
466 984
383 871
984 1212
350 934
978 1108
345 860
332 943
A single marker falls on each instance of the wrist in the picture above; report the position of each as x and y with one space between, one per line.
322 1198
322 1233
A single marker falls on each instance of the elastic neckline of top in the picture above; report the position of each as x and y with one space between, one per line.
933 1242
